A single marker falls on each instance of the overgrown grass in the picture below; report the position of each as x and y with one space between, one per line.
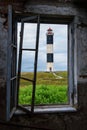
44 94
49 90
45 78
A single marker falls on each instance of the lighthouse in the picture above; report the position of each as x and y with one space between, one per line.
49 42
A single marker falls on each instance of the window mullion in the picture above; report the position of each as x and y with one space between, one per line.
70 62
35 65
75 61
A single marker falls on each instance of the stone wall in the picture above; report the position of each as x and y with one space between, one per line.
3 64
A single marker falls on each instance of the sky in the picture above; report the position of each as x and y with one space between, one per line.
59 46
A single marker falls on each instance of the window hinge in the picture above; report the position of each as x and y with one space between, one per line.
74 92
72 31
73 95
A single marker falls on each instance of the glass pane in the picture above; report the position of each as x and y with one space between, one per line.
29 37
28 58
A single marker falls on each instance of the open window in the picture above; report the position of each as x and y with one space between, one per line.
11 65
35 56
15 76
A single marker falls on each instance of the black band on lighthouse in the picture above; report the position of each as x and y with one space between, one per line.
49 39
50 57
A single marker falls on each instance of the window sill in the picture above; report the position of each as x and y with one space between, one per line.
48 109
55 109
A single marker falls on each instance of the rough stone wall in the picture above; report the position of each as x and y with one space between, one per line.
59 121
3 64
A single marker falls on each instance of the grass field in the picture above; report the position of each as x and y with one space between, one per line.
49 89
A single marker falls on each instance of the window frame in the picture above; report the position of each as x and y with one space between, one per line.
72 63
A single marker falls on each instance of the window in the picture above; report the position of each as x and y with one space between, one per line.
49 57
51 82
14 79
49 39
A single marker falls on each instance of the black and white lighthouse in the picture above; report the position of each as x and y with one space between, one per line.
50 59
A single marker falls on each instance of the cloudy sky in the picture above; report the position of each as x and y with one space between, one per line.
59 46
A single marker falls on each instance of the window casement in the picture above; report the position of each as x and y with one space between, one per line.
11 90
14 75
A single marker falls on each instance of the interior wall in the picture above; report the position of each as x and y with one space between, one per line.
3 64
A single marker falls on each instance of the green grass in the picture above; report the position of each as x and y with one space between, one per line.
44 94
49 90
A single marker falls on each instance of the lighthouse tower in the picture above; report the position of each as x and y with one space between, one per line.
49 35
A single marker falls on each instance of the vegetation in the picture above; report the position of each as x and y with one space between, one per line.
44 95
49 89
